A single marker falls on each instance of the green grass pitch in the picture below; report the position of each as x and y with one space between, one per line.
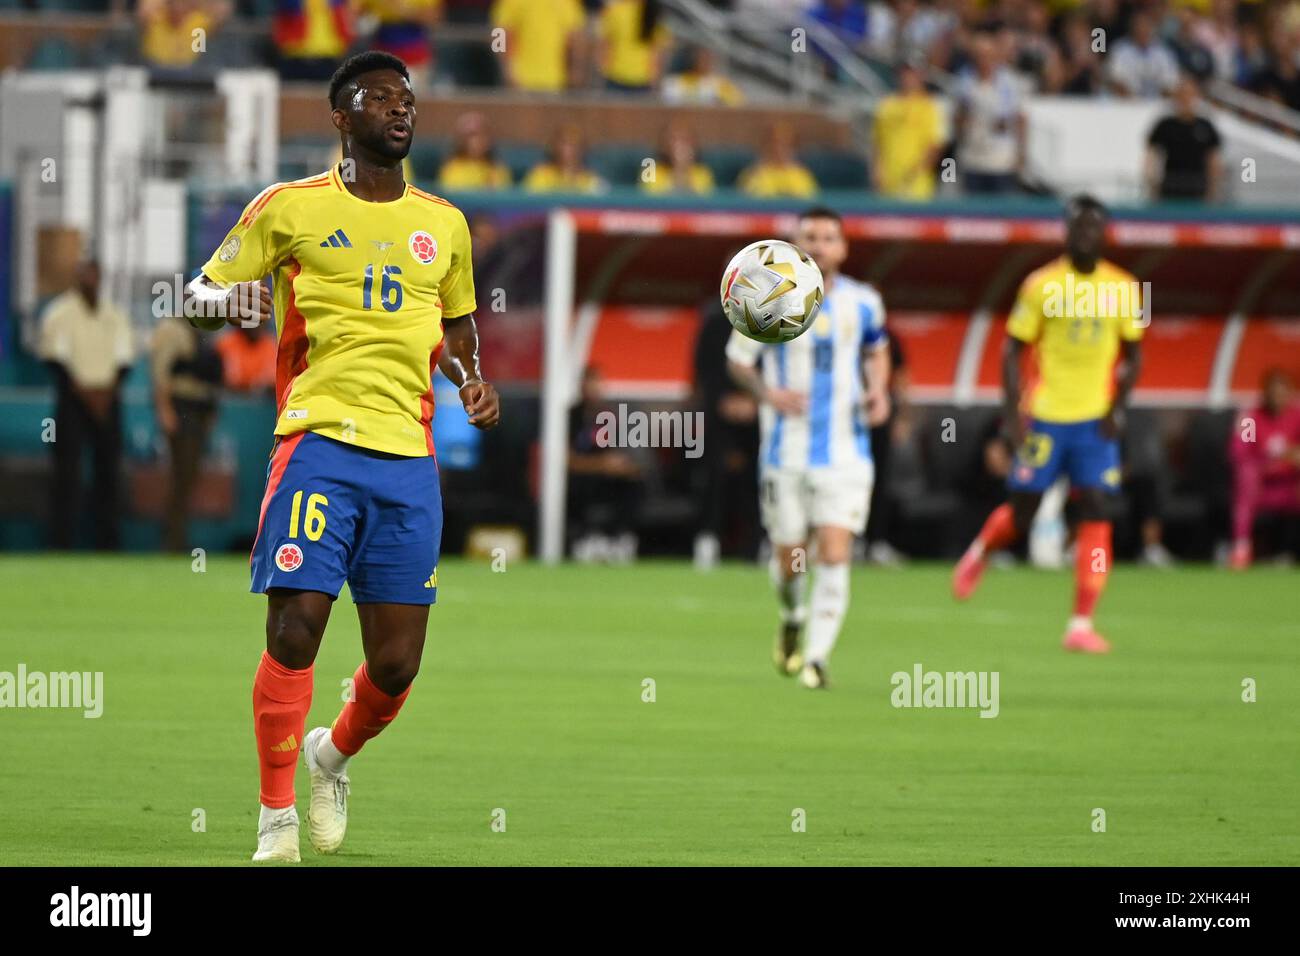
530 700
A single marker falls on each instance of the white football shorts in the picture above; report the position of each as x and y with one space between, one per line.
792 502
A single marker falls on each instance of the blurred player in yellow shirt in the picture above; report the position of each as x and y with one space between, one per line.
543 42
908 136
1079 314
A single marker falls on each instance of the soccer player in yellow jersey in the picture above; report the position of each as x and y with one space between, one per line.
373 290
1078 314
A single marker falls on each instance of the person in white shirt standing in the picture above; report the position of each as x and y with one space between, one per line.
87 344
819 396
990 122
1142 65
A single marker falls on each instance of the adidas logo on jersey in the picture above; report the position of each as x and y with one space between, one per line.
337 240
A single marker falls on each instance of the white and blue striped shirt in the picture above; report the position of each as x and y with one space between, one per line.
825 363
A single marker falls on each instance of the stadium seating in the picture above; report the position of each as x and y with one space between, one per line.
836 168
520 157
619 163
726 162
468 64
55 53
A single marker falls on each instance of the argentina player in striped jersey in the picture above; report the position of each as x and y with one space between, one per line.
819 395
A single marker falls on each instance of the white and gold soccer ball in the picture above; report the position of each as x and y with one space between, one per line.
771 291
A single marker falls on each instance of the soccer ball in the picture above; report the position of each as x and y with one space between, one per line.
771 291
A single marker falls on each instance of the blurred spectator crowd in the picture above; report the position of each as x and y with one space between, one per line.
1072 47
1128 48
958 72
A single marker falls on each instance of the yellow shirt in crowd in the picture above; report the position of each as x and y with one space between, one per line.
172 44
767 179
699 180
907 129
629 60
322 38
385 11
548 177
537 40
461 173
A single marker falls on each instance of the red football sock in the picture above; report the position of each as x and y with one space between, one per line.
1091 565
999 529
368 712
281 699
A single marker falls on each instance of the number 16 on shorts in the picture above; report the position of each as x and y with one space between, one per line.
289 555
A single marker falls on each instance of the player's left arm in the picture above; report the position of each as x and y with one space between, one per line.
1132 326
1130 365
1214 164
877 373
459 358
459 362
876 366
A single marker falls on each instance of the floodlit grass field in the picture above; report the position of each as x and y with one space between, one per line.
530 700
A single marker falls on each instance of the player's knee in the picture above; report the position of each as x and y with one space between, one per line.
1022 513
834 546
836 553
393 674
293 637
792 560
1093 505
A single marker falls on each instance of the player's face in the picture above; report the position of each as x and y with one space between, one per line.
1085 233
823 239
381 114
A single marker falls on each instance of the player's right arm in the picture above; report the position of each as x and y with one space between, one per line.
229 289
208 306
1024 325
1131 329
742 365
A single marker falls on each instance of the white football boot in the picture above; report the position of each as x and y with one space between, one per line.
277 836
813 676
327 813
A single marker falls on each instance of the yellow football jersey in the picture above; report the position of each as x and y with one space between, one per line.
1075 322
361 289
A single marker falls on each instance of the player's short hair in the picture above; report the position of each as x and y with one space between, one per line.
822 212
1085 202
359 64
